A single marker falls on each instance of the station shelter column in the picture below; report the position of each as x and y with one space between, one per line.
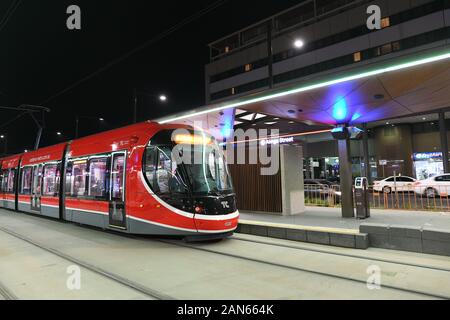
292 181
346 178
444 141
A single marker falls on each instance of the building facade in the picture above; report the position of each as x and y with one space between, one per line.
318 37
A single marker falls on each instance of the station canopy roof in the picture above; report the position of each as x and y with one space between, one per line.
398 87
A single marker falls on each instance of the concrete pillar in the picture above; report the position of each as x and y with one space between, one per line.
444 141
366 156
292 182
307 161
345 166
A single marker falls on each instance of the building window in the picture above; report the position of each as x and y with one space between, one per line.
385 22
396 46
387 48
357 57
248 67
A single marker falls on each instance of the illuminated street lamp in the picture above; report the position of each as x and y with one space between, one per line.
161 97
299 43
5 144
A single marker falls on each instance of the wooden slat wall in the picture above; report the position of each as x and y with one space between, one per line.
254 191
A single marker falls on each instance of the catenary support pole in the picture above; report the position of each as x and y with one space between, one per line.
365 143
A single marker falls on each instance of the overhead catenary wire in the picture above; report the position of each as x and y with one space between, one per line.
149 42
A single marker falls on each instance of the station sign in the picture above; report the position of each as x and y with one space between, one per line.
275 141
427 156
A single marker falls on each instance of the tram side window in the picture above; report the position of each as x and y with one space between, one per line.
78 186
27 173
162 173
11 180
4 185
117 177
150 167
68 186
51 180
98 177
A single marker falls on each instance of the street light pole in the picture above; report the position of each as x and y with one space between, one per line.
135 100
270 53
77 121
5 144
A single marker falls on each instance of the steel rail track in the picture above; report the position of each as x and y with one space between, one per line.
112 276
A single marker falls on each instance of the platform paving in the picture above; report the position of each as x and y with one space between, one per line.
331 218
421 232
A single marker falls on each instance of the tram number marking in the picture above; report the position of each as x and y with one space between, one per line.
225 204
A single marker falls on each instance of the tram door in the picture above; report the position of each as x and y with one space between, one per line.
36 191
117 214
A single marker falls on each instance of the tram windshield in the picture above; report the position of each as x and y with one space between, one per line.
186 163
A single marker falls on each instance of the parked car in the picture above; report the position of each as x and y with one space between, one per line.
334 180
434 187
393 184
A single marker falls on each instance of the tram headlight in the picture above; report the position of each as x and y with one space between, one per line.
192 139
198 209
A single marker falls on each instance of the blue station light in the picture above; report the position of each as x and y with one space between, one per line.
340 110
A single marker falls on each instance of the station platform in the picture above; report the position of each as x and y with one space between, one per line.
332 218
414 231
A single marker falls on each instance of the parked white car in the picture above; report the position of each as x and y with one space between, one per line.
393 184
438 186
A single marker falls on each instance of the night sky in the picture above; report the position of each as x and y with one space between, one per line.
40 58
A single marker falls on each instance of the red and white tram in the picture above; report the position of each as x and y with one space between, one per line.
127 180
